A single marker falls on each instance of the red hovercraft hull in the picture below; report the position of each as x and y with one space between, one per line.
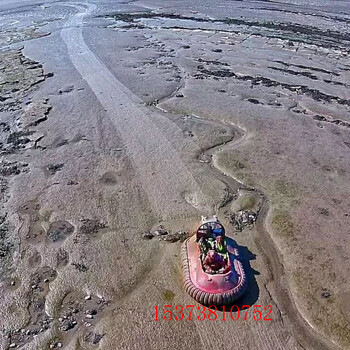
212 289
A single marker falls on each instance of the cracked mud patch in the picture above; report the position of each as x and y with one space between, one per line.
18 77
12 168
11 36
273 29
36 113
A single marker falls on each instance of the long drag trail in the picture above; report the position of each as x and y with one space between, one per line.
164 176
162 173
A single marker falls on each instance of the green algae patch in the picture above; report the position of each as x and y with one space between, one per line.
246 202
282 223
238 166
283 194
320 312
168 295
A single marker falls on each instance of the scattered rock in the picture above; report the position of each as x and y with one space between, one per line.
204 158
186 46
147 235
160 231
56 344
67 324
216 50
241 219
325 293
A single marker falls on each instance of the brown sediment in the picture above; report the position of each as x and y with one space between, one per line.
307 336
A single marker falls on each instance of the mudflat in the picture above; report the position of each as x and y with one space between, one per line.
122 122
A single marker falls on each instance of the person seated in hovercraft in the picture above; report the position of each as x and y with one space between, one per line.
221 246
213 262
204 246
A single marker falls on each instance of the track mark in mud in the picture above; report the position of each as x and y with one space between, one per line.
118 102
190 196
35 260
92 227
39 228
59 231
39 321
109 178
59 142
62 258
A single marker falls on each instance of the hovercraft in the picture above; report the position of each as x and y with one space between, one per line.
213 273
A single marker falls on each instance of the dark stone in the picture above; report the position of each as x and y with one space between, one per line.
53 168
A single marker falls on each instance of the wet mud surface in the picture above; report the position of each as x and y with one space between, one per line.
147 116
